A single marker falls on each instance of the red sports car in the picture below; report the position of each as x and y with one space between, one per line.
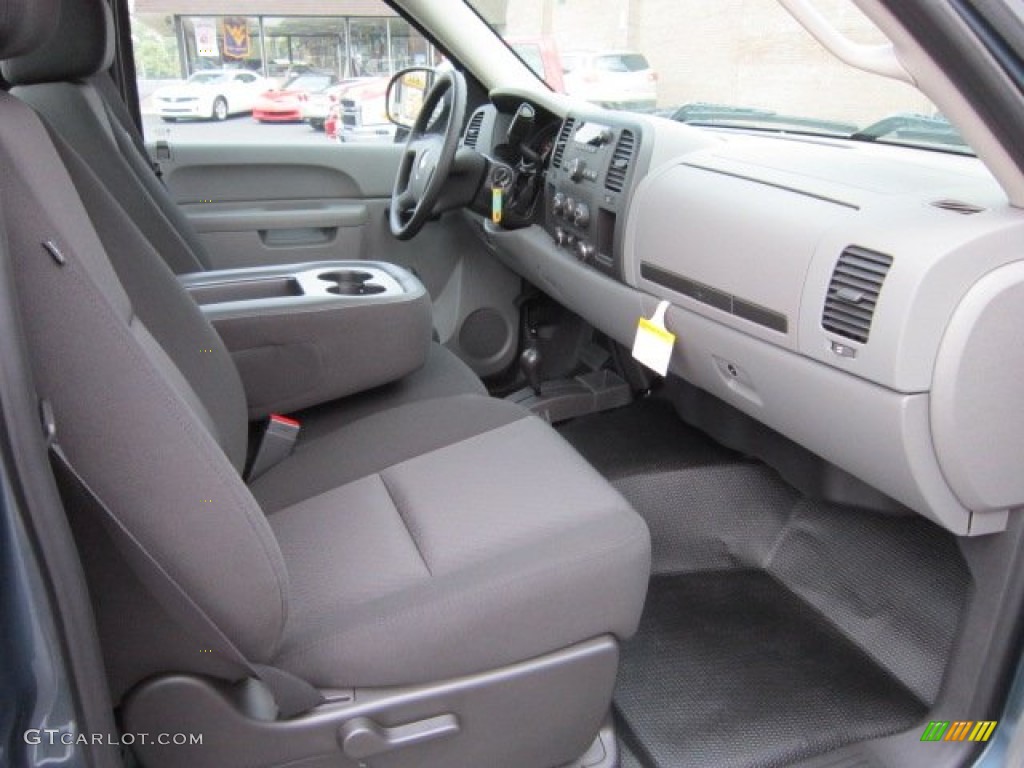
285 104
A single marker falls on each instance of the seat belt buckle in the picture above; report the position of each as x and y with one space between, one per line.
276 444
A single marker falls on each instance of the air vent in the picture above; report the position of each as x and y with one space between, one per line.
619 165
473 130
563 138
958 206
853 292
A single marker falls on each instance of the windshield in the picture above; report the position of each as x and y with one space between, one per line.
204 78
743 64
308 83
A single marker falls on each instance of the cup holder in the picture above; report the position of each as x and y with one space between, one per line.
350 283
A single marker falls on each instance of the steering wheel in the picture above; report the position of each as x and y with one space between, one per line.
428 157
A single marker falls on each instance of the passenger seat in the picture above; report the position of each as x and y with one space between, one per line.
448 577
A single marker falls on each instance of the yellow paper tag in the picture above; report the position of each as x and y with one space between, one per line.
496 205
653 344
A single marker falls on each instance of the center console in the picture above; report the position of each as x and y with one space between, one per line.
587 188
305 334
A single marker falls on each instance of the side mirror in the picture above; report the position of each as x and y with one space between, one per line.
406 93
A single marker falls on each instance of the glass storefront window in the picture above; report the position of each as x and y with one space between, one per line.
221 42
344 46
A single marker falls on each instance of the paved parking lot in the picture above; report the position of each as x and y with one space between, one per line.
240 129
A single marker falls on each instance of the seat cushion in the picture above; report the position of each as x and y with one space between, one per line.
442 375
458 557
376 441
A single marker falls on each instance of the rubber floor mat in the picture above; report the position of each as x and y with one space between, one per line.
646 436
730 669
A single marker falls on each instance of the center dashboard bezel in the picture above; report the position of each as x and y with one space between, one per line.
585 210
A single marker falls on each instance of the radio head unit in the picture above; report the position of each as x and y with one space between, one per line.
587 189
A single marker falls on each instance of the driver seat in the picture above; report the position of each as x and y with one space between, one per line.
66 81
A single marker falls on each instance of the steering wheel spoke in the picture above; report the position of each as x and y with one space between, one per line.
428 157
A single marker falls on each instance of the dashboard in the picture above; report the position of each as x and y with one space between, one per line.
863 300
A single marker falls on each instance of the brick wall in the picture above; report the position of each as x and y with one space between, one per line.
727 52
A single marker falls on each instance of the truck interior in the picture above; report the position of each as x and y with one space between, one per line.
340 455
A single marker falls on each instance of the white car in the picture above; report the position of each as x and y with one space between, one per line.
211 94
317 106
364 114
616 79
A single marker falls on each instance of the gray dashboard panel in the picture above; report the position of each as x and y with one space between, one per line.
750 241
976 411
738 230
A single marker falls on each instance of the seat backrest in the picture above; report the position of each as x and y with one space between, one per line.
132 391
66 80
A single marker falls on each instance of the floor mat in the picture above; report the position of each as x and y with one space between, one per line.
730 669
646 436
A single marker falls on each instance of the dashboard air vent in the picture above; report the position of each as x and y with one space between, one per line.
619 165
853 292
473 130
563 138
958 206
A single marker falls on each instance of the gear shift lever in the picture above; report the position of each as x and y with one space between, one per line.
529 364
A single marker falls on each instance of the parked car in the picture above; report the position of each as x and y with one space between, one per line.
285 104
315 109
615 79
212 94
280 71
362 112
540 55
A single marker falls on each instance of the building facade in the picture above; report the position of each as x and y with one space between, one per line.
352 38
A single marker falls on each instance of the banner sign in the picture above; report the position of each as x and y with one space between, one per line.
206 36
236 38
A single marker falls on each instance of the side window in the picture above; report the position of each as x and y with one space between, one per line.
270 74
610 64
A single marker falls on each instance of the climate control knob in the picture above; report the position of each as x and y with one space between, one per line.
558 204
581 215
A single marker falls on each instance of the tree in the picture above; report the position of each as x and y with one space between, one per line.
156 54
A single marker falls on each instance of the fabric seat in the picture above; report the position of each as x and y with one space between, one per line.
66 81
447 554
436 539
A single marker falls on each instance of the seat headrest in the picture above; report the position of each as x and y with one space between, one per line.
25 25
77 41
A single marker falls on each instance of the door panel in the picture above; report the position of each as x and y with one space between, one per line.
242 234
257 204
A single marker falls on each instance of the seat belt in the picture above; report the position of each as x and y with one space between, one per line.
292 694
